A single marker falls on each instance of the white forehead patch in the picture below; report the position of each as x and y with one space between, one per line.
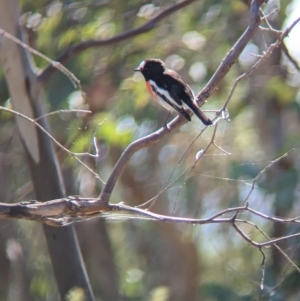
142 64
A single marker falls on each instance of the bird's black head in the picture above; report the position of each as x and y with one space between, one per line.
151 67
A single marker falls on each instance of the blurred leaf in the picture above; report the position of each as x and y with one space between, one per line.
76 294
279 89
160 293
219 292
244 170
67 38
108 131
39 286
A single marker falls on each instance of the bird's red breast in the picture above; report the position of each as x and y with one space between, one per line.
150 90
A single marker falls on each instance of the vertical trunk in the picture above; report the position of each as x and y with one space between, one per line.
26 97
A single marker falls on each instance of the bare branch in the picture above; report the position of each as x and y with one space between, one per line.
233 54
64 211
243 235
53 212
74 208
295 220
263 171
279 249
61 212
63 111
265 18
133 148
266 55
187 171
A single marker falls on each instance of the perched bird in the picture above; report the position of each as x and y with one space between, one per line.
169 90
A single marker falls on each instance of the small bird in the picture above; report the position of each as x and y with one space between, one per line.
169 90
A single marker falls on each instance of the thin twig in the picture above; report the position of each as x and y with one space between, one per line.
56 65
62 111
261 60
279 249
262 172
167 183
265 18
194 164
74 155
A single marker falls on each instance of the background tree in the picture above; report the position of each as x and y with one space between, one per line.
101 43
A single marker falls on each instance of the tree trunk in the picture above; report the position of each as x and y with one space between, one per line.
26 96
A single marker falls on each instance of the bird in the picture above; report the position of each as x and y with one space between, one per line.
169 90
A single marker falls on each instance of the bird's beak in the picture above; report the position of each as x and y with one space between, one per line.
137 69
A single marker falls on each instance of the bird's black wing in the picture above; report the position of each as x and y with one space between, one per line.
179 90
176 105
182 93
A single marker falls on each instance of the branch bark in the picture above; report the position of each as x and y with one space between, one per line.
232 54
61 212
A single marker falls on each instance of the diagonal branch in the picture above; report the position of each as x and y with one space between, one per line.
78 48
290 57
262 58
133 148
233 53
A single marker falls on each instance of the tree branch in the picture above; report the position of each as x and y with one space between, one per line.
233 54
262 58
133 148
289 56
61 212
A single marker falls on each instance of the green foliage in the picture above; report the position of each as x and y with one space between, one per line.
39 286
76 294
219 292
278 87
109 130
228 268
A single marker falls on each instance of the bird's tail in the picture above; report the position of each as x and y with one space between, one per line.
205 120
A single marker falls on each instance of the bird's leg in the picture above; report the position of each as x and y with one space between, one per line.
166 122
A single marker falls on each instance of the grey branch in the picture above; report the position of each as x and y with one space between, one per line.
232 54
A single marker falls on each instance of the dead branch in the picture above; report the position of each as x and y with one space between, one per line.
61 212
